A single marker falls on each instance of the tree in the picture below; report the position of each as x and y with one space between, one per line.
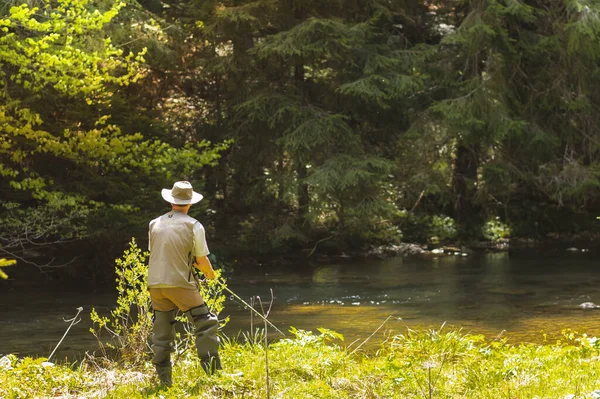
321 83
66 171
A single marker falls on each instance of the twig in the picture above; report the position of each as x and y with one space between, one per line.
48 265
371 336
429 380
266 341
73 322
418 200
236 296
419 386
252 321
352 343
317 244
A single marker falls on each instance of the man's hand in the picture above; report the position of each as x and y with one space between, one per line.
203 264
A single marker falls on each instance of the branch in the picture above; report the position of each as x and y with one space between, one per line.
418 200
48 265
318 242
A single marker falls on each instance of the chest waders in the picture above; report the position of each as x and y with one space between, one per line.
205 329
162 344
206 326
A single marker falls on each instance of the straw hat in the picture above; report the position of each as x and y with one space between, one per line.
181 194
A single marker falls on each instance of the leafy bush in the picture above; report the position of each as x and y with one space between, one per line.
495 230
414 227
442 228
130 324
427 228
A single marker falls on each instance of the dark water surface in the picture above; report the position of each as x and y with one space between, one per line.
521 296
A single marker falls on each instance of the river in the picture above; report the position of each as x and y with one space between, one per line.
528 296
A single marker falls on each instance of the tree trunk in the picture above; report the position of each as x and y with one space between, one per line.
464 181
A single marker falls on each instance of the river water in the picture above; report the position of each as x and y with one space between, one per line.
524 296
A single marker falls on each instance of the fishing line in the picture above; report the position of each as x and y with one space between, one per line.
236 296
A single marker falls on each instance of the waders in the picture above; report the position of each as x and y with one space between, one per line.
206 326
162 344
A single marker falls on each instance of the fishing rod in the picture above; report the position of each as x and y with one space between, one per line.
201 280
251 308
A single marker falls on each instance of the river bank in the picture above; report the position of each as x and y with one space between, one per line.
424 364
518 295
571 243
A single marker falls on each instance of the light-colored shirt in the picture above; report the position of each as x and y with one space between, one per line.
174 239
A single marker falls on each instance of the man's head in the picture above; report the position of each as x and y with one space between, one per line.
181 196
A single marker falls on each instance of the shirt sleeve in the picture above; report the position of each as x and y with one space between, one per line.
150 236
200 247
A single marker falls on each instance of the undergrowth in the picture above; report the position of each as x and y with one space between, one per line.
427 364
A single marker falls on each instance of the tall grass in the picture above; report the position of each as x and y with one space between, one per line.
418 364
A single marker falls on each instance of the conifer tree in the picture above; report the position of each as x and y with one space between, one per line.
321 75
512 108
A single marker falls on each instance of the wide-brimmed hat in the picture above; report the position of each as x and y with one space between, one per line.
181 194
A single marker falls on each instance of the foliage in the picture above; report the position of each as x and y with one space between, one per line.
331 118
130 323
417 364
421 227
495 230
313 78
66 157
46 50
443 228
4 263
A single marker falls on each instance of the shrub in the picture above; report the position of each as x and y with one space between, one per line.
495 230
130 324
442 228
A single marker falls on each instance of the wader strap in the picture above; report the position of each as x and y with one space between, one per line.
191 263
199 310
191 259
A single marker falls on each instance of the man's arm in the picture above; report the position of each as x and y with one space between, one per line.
203 264
201 252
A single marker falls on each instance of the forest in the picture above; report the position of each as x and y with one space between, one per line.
308 125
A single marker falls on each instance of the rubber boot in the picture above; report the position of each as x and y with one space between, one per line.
165 374
162 344
211 364
206 326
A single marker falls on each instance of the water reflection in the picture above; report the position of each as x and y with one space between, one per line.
516 295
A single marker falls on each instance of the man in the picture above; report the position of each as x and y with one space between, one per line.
177 244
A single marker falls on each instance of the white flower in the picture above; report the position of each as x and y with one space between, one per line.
5 363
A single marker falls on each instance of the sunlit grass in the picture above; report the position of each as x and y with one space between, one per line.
426 364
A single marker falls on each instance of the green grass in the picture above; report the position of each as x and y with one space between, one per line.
436 364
